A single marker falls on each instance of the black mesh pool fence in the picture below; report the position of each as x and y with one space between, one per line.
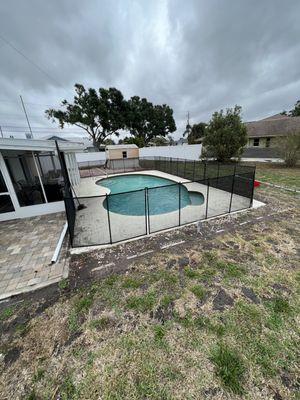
205 190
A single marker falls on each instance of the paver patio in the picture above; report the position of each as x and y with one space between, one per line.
26 249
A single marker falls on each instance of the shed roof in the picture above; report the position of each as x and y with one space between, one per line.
38 145
120 146
273 126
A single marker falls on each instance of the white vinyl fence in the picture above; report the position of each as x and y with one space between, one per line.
186 151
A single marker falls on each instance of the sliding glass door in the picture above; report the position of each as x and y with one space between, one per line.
6 204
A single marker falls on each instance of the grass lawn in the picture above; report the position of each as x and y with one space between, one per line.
216 320
279 175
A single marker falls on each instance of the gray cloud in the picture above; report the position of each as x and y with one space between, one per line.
194 55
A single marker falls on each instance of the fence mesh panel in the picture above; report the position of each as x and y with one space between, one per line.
91 227
219 196
127 213
207 189
195 210
163 207
242 191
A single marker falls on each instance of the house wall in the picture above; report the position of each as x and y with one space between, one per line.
262 142
186 151
116 154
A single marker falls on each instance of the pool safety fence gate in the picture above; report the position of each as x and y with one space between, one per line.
207 189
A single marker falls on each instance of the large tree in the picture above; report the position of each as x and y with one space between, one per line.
104 112
196 133
145 121
100 113
225 135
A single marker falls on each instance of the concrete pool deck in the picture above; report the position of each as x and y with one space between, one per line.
92 225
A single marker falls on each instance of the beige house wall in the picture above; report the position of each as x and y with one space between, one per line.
262 142
116 154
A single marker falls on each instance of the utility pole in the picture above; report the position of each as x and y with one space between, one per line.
26 117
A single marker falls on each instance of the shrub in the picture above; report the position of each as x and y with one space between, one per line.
289 148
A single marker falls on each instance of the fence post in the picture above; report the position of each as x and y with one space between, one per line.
184 168
123 165
253 180
218 172
145 192
108 218
179 201
204 171
177 165
232 187
194 172
148 210
207 196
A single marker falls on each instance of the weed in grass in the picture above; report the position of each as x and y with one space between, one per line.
63 284
67 389
7 313
131 283
191 273
100 323
217 328
159 332
81 306
274 321
280 305
22 329
229 367
166 300
207 275
231 270
171 372
142 303
90 359
73 321
147 383
209 256
32 396
186 321
199 291
168 279
111 280
201 322
265 356
246 319
39 374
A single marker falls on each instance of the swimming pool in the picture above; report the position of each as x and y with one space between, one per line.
163 195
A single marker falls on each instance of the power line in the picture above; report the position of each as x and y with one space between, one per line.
27 119
29 103
29 60
38 127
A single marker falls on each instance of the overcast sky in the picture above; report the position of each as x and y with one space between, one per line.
194 55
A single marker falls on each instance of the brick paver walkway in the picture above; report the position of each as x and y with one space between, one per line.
26 249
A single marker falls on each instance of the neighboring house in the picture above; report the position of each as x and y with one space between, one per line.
262 135
119 155
31 180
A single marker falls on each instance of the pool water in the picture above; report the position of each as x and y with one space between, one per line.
163 195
